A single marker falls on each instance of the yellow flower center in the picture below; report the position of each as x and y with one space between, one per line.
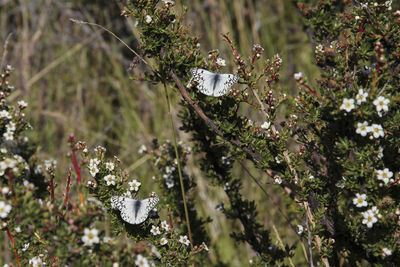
90 236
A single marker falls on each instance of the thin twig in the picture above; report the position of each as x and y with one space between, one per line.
310 244
281 244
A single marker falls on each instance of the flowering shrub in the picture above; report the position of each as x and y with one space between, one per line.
334 156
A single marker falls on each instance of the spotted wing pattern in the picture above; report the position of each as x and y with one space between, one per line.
213 84
134 211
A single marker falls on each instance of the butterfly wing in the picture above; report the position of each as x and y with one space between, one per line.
225 81
204 79
134 211
213 84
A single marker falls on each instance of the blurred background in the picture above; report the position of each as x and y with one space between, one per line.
76 79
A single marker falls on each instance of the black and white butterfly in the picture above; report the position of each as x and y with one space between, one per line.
134 211
213 84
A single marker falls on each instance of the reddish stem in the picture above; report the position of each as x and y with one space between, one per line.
171 225
67 191
76 167
52 188
13 245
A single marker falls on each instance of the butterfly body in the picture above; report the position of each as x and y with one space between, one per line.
134 211
213 84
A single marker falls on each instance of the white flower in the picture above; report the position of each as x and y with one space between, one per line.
36 262
348 104
169 183
221 62
17 229
169 169
90 237
4 209
381 103
127 194
387 252
3 150
22 104
278 179
148 19
5 114
134 185
142 149
377 130
163 241
93 170
94 161
99 149
374 210
265 125
8 163
384 175
141 261
225 160
110 166
10 126
369 218
298 75
380 155
110 179
363 128
166 2
155 230
9 135
184 240
359 200
319 48
361 96
300 229
107 239
165 225
26 246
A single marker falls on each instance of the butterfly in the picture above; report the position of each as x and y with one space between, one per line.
213 84
134 211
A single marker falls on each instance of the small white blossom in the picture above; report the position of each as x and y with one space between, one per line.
8 136
380 154
5 114
110 166
17 229
359 200
300 229
148 19
319 48
26 246
11 126
127 194
347 105
387 252
163 241
110 179
362 128
265 125
167 2
278 179
184 240
134 185
155 230
221 62
169 183
361 96
94 161
36 262
384 175
298 75
22 104
4 209
374 210
90 237
107 239
165 225
381 103
377 130
93 170
142 149
369 218
141 261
